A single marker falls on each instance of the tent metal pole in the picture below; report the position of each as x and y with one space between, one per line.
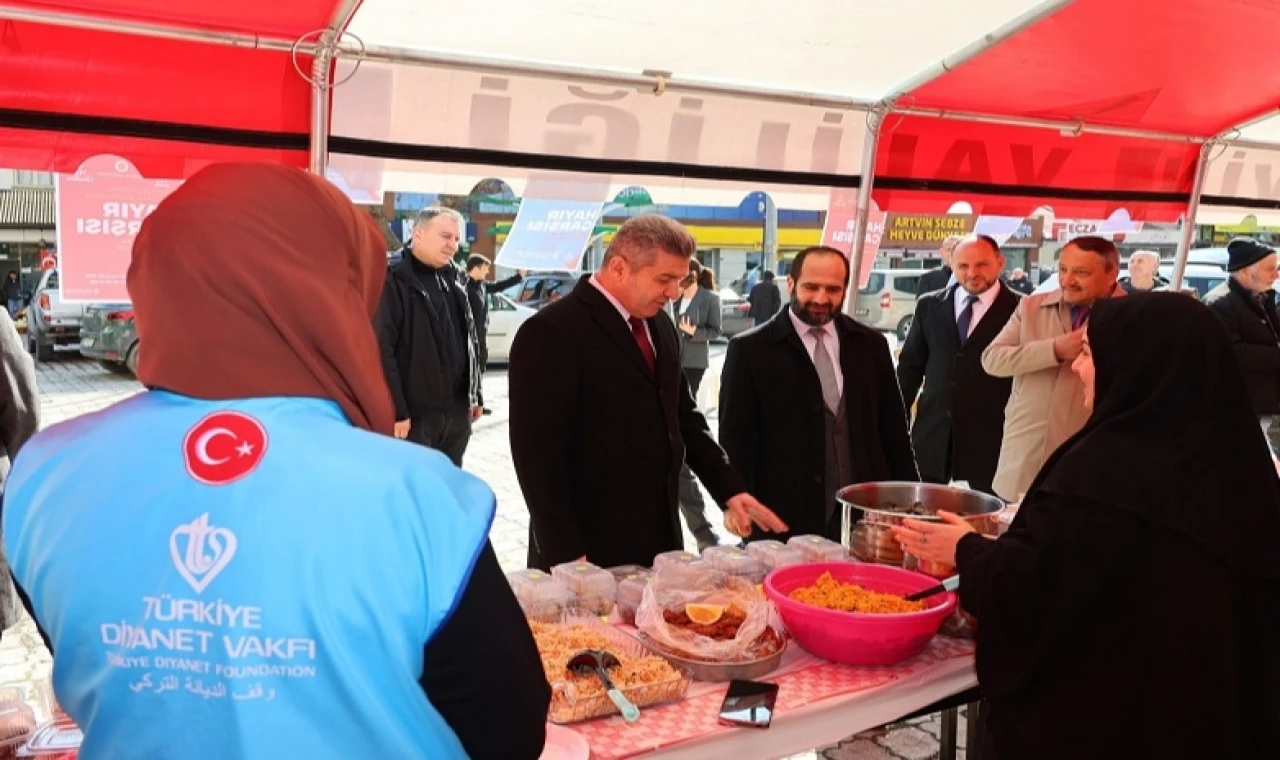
1253 144
1019 23
1067 128
322 86
1189 221
143 28
656 82
321 82
875 122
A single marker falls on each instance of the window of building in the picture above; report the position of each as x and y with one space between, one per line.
32 179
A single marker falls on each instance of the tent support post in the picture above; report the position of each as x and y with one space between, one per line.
1189 220
322 64
321 83
866 182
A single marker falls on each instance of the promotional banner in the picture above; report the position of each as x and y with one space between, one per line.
100 209
549 235
842 217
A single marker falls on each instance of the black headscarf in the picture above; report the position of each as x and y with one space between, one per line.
1173 437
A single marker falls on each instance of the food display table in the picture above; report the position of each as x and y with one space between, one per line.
819 703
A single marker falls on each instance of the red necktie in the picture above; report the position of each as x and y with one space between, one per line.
642 340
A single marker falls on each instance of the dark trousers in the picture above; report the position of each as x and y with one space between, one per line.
446 432
692 506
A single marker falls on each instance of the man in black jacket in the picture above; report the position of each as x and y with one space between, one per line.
765 300
959 424
1246 305
478 290
427 333
809 402
937 279
601 414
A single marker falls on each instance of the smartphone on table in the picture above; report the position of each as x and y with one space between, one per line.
749 704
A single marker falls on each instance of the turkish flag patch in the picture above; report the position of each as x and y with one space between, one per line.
224 447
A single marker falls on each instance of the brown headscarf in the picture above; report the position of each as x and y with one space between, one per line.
255 280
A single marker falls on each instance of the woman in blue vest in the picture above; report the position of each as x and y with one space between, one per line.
241 562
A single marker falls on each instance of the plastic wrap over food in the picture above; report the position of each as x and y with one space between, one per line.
663 612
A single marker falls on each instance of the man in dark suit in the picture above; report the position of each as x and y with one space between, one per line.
937 279
809 402
601 413
960 420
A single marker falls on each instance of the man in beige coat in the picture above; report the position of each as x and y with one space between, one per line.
1036 348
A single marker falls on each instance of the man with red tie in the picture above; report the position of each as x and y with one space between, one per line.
602 417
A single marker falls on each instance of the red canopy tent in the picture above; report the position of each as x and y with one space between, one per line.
1086 106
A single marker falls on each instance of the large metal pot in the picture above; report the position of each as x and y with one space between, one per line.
866 519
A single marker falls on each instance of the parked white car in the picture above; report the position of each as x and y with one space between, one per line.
505 318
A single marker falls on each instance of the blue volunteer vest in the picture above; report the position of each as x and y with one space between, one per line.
242 579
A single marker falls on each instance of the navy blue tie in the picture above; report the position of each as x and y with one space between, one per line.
966 316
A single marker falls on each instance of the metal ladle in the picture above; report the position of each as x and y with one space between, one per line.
599 661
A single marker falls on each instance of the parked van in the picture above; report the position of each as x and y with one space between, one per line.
888 302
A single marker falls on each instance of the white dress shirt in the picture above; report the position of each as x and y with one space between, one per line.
831 341
980 308
626 315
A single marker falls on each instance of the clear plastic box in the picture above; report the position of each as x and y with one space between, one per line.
818 549
674 558
631 592
622 571
735 561
594 588
542 597
774 554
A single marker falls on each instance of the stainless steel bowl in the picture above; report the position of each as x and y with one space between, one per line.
865 523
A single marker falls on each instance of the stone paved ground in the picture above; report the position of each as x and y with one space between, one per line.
71 387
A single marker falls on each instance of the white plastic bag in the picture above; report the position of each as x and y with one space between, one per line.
675 586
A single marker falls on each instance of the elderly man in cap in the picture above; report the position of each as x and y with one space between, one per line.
1246 304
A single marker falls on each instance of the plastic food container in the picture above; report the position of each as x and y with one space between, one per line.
674 558
735 561
594 588
568 707
818 549
774 554
631 592
542 597
622 571
855 638
17 723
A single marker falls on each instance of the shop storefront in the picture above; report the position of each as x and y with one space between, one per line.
26 231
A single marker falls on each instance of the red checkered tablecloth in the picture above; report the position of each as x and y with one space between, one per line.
803 680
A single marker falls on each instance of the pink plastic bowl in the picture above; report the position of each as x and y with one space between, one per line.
854 638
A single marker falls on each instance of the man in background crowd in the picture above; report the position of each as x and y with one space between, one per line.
1144 273
960 421
809 402
601 414
764 299
1019 282
1246 304
1036 348
937 279
427 333
478 290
